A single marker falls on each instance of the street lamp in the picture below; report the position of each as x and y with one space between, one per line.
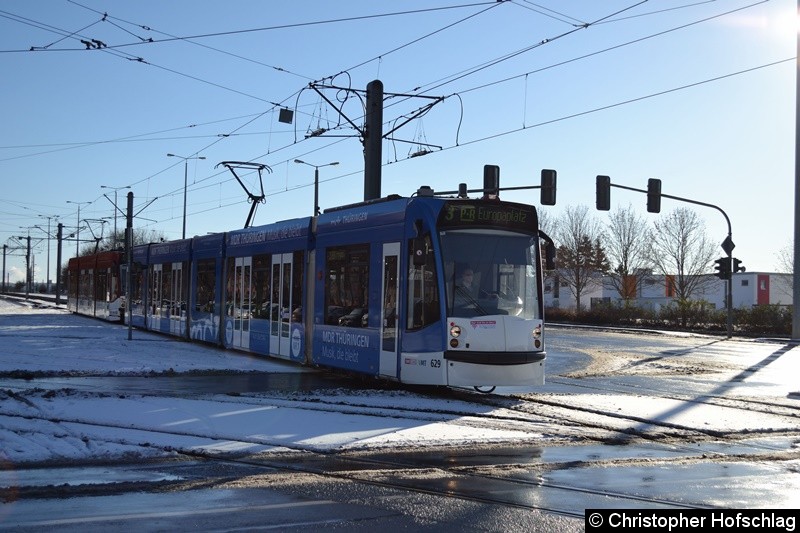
27 262
78 226
316 180
47 277
185 178
114 244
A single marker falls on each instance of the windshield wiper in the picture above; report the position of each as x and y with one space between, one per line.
471 300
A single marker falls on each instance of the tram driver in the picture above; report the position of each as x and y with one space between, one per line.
467 287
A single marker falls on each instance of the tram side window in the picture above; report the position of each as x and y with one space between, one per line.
230 287
261 304
297 286
166 289
137 281
423 291
347 285
154 291
113 285
86 285
100 294
73 284
206 289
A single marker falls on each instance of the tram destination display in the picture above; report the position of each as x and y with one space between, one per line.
516 217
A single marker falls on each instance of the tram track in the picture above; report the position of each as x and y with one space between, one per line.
752 404
646 430
529 413
748 405
373 468
535 413
526 484
515 412
561 413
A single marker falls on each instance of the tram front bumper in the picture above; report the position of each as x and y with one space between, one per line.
476 369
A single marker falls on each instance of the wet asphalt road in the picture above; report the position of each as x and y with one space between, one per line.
409 489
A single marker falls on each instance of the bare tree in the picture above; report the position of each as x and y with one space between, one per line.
785 265
627 242
682 252
581 259
547 222
102 244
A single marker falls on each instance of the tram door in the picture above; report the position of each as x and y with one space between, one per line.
281 308
242 283
389 323
156 298
177 315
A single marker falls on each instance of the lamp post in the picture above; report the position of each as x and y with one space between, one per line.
27 264
114 244
47 276
185 180
316 180
78 226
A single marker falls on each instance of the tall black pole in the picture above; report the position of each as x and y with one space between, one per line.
3 282
114 243
59 235
185 184
796 269
373 137
729 298
28 269
78 234
47 276
129 257
316 191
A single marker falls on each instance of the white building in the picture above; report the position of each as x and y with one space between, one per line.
654 291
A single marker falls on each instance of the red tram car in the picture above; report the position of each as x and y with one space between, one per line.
95 286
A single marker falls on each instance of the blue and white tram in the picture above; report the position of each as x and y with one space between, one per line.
376 288
167 287
205 284
138 288
388 300
265 280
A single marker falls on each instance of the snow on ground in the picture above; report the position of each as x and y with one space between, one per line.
63 425
59 419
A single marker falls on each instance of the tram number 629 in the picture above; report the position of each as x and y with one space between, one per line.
436 363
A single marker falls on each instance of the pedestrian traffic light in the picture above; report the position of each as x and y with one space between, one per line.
737 265
653 195
548 191
723 268
603 193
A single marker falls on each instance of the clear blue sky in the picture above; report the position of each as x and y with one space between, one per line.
700 94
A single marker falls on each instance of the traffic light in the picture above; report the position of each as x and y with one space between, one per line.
723 268
737 265
603 193
491 181
653 195
548 190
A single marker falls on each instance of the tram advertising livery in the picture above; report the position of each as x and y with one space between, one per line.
421 290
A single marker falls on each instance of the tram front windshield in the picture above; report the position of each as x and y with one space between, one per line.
490 272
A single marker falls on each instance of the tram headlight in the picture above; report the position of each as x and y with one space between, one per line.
537 336
455 331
